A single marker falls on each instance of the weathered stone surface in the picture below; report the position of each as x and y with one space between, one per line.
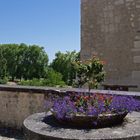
5 138
36 129
11 134
114 34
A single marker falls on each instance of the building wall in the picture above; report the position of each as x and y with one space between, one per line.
110 29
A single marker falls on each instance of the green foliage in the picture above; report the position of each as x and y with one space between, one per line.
90 72
3 81
34 62
3 65
63 64
30 63
52 79
33 82
22 62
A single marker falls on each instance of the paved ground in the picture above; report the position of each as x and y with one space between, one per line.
5 138
10 134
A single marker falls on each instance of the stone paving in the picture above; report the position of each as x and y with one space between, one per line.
5 138
10 134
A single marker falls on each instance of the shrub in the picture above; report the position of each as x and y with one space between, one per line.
3 81
34 82
90 71
52 78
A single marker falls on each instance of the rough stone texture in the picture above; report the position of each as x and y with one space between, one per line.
5 138
11 134
18 102
36 129
15 107
110 29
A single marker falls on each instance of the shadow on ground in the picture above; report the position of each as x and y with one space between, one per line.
11 133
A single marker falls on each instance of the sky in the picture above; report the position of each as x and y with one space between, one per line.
53 24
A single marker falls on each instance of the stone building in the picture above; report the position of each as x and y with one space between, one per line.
110 29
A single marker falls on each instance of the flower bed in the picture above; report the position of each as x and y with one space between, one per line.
91 110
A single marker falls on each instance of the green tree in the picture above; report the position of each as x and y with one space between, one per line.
35 61
10 54
90 71
23 61
3 65
63 64
21 55
53 78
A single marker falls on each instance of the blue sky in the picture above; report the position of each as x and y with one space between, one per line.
53 24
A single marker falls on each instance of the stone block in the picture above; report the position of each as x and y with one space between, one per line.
136 59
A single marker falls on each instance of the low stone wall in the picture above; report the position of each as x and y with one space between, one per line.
18 102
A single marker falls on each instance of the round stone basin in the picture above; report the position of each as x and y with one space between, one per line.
36 129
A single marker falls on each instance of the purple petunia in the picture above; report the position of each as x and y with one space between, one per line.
91 104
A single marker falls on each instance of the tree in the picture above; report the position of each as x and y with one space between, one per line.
21 55
53 78
90 71
63 64
23 61
34 62
3 65
10 54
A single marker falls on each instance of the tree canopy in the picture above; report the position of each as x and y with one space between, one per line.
63 63
22 61
29 64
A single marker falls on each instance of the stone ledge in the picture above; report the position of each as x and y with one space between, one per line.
29 89
36 129
53 90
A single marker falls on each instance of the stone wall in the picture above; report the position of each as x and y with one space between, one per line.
15 107
18 102
110 29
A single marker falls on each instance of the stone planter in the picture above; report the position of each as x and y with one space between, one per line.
36 129
83 121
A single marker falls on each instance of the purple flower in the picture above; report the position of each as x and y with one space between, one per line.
91 104
95 123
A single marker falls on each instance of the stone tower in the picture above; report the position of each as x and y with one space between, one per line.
110 29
